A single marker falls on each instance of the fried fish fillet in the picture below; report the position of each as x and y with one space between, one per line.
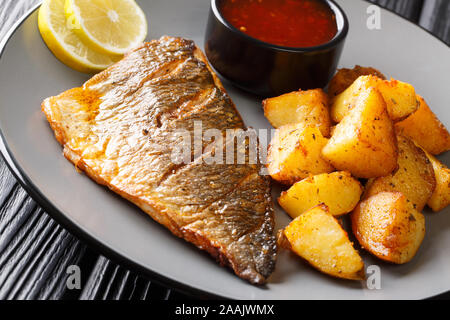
120 129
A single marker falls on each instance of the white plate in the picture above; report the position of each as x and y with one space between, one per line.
29 73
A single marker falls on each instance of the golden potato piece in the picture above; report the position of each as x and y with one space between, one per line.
440 198
425 129
295 153
344 78
388 226
414 176
308 107
400 98
364 143
346 101
317 237
338 190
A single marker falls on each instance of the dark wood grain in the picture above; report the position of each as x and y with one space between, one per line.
409 9
35 251
435 17
11 11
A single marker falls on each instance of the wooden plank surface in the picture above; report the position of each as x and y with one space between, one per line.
35 251
409 9
435 17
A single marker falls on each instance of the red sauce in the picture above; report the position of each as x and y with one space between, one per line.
288 23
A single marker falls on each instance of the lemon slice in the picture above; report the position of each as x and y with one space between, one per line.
64 44
108 26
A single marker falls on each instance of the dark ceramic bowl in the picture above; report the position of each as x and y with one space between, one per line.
269 70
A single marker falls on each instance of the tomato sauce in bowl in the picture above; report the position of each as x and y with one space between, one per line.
287 23
270 47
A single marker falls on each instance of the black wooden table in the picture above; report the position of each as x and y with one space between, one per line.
35 251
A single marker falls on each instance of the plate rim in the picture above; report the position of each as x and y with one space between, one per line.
34 192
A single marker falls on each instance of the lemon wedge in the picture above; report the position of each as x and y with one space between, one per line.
108 26
65 44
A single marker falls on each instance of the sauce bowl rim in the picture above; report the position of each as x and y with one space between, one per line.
339 37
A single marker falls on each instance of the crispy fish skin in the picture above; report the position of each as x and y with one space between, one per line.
119 128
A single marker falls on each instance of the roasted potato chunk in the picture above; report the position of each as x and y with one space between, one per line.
425 129
440 198
344 78
388 226
295 153
346 101
400 98
338 190
317 237
414 176
308 107
364 143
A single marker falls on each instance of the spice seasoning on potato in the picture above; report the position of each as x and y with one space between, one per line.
388 226
338 190
400 98
414 176
344 78
295 153
364 143
309 107
425 129
317 237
